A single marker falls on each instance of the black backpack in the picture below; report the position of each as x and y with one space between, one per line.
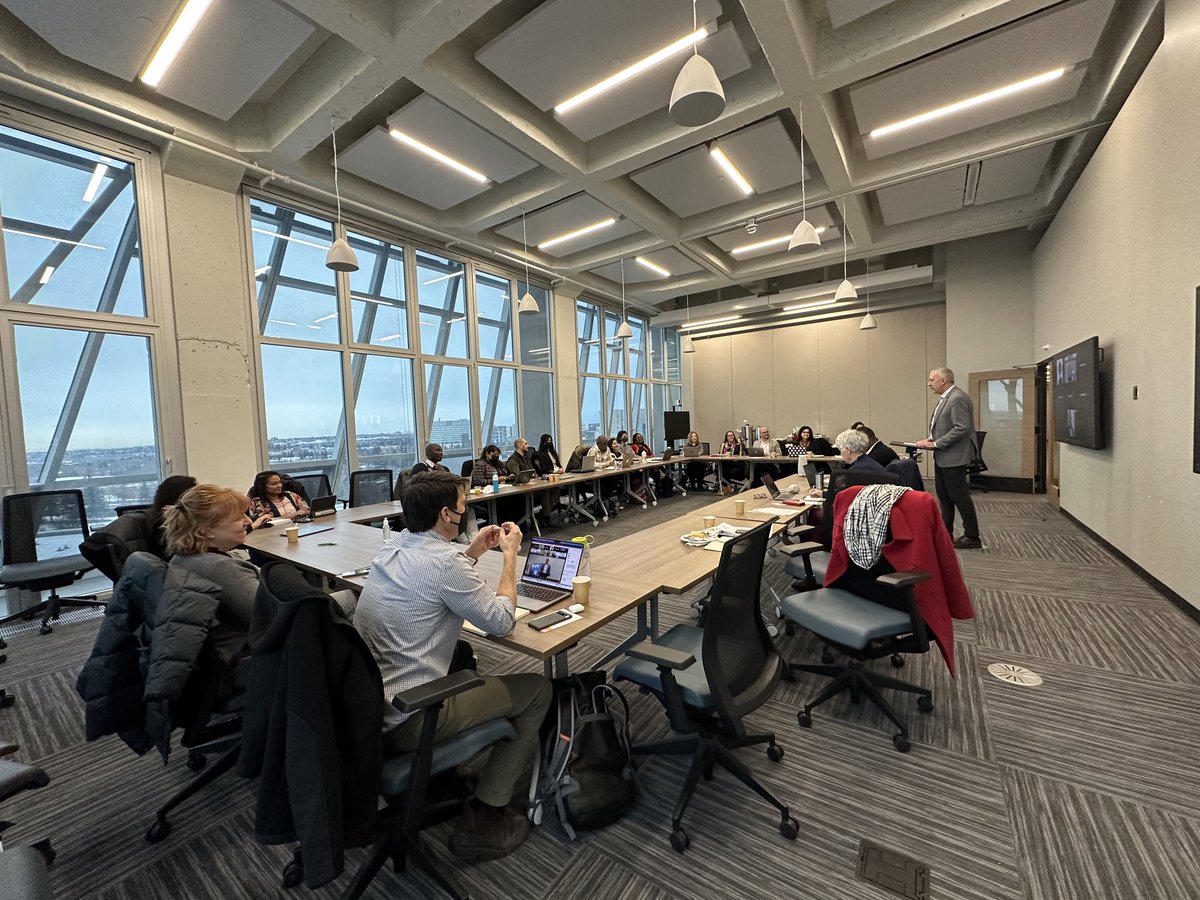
587 767
664 484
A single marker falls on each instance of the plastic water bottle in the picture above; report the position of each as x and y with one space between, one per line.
495 483
585 558
387 530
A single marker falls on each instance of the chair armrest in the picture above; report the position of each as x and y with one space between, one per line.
799 530
7 748
663 657
800 549
436 691
902 580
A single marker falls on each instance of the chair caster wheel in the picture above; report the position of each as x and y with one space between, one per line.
6 700
804 720
789 828
643 506
535 814
774 753
901 743
3 658
897 660
653 503
827 656
196 762
773 630
158 831
45 629
604 518
679 840
293 874
925 704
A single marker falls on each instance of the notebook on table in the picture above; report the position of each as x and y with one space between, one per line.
549 569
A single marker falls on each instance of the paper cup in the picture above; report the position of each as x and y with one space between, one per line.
739 507
293 534
581 586
710 521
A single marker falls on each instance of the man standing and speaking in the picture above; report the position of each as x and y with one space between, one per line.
952 438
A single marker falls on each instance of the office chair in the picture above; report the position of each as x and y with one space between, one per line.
370 486
709 678
402 484
133 507
107 548
25 563
308 485
870 614
977 466
23 869
465 470
909 473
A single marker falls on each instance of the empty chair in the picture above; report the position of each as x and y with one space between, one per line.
38 527
709 678
370 486
977 466
309 485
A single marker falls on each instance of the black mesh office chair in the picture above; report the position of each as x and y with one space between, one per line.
37 527
977 466
467 466
370 486
132 507
709 678
309 485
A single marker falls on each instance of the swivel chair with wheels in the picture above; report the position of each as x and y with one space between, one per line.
370 486
709 678
977 466
107 548
35 526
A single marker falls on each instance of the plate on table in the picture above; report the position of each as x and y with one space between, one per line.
697 538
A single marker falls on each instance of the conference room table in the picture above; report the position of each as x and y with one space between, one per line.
628 574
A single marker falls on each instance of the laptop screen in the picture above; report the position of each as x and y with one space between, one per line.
769 484
810 472
322 504
552 563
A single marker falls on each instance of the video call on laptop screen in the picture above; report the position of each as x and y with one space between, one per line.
552 563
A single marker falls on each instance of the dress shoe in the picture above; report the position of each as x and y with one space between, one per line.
968 543
484 832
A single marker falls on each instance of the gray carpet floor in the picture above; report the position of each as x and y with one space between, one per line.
1083 788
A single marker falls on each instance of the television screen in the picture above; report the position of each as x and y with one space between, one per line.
1077 402
677 425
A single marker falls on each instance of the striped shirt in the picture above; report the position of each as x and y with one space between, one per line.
411 611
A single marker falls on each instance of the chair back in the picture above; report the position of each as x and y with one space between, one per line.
402 485
42 525
370 486
133 507
844 478
309 485
109 547
977 465
908 472
741 661
467 466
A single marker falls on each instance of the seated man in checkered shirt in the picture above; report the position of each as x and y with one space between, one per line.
421 587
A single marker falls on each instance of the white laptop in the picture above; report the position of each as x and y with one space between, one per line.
549 569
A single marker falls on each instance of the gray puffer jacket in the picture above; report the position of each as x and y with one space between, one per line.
148 645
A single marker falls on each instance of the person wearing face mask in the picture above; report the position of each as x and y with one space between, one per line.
483 469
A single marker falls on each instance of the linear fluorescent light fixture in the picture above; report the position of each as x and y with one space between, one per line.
829 301
653 267
632 70
288 237
390 337
177 35
708 322
332 315
261 271
971 102
445 277
580 232
770 242
56 240
438 156
93 185
46 273
730 169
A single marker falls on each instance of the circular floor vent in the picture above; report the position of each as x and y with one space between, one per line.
1015 674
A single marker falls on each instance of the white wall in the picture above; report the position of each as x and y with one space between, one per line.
825 374
1121 261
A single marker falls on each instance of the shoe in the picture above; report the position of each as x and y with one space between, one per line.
968 543
484 832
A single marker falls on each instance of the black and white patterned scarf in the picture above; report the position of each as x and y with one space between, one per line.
865 525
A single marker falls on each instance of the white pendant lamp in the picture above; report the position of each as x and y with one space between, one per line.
340 256
624 331
845 290
697 97
528 304
804 236
868 321
688 346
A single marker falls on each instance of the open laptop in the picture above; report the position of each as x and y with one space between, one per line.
777 495
755 451
811 473
322 506
692 451
587 464
668 453
525 476
549 568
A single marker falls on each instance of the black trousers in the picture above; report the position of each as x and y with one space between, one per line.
953 490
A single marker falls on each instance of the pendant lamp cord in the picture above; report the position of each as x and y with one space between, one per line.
803 173
695 28
525 242
337 189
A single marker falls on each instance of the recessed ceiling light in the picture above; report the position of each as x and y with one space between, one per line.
970 102
708 322
653 267
769 242
93 185
439 156
631 70
571 235
46 273
730 169
177 35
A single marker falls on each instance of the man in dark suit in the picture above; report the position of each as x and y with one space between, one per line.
432 461
877 449
952 437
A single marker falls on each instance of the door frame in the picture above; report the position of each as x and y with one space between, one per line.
1026 481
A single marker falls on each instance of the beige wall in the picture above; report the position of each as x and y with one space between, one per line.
1120 261
825 374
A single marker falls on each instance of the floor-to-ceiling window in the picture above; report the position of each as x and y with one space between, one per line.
354 375
85 334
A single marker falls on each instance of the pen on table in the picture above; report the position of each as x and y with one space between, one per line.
327 544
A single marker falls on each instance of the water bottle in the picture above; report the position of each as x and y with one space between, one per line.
585 558
495 483
387 530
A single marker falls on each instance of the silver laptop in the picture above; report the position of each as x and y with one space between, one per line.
549 568
322 506
755 451
587 464
692 451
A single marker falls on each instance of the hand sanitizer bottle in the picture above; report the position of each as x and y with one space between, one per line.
495 483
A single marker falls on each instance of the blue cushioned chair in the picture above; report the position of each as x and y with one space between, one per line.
709 678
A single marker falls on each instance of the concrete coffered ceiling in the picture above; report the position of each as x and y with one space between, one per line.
478 80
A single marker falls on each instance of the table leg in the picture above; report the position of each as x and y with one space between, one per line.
647 627
556 666
629 490
573 503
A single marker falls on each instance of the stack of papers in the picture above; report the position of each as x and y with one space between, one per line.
467 626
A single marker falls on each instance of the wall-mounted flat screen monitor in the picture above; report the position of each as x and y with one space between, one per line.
677 425
1078 415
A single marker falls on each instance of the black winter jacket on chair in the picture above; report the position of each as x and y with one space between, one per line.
313 728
